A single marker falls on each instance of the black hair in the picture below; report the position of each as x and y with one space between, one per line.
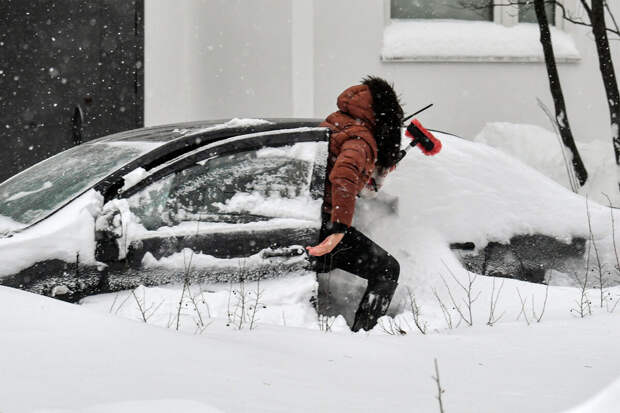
388 120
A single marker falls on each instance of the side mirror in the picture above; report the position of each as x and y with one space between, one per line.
109 233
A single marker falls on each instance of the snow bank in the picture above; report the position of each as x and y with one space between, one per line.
286 301
142 406
51 346
541 149
445 39
607 401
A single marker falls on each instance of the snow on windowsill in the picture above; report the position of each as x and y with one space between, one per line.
467 41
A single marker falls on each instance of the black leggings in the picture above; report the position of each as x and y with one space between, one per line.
359 255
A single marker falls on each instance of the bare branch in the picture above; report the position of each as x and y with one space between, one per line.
493 303
416 312
440 390
565 13
598 259
612 17
586 7
537 317
613 230
446 313
392 327
523 308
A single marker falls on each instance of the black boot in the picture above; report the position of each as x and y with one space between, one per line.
374 305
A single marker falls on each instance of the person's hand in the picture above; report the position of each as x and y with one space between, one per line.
326 246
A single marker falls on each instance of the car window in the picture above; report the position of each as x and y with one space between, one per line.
41 189
244 187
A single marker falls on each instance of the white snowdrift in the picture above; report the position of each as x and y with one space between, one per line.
142 406
607 401
472 192
50 346
541 149
469 40
62 236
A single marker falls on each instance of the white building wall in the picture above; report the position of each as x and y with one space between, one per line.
210 59
348 39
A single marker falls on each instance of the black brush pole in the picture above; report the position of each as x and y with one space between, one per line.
419 111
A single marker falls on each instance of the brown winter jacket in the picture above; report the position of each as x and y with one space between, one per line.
352 153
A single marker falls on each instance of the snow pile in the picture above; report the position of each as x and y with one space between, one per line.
542 150
286 302
441 39
304 151
233 123
133 178
301 207
50 346
472 192
8 225
607 401
69 232
243 122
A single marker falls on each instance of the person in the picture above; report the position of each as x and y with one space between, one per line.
364 145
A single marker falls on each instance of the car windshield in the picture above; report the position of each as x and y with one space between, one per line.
41 189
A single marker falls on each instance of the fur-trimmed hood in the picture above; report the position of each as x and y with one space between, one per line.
388 116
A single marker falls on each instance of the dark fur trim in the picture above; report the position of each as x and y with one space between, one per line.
388 116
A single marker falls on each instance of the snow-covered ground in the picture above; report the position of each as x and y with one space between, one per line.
233 355
62 356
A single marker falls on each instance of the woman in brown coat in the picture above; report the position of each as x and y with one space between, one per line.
365 142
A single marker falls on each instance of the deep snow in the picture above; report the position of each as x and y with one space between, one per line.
469 192
58 355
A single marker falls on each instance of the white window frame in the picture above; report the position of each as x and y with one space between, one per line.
507 16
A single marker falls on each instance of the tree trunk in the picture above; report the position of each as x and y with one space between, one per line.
599 29
556 92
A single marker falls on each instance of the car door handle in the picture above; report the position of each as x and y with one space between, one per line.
287 252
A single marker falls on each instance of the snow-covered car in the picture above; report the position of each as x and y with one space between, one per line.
208 200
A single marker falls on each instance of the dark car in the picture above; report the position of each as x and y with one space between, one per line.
211 201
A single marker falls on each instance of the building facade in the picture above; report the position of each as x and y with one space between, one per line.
269 58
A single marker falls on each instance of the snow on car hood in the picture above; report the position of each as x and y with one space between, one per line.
64 235
8 226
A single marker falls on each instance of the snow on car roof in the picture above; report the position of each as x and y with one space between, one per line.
167 133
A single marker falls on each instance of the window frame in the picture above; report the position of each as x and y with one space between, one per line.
388 13
506 16
231 146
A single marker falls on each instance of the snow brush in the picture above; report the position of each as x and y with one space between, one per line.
421 137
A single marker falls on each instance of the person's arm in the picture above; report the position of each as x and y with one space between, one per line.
345 176
375 182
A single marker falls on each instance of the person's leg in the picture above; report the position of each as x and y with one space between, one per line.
359 255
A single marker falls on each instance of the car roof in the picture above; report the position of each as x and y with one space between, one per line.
207 128
179 138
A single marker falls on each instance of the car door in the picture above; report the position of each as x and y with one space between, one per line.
244 208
